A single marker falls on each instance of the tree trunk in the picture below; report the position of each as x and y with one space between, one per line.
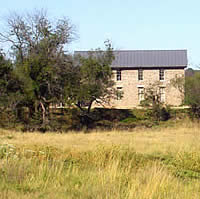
43 112
89 106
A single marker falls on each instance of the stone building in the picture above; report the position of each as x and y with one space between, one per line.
135 70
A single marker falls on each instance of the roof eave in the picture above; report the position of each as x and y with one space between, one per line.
135 67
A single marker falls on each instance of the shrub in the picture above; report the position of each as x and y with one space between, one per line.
159 113
129 120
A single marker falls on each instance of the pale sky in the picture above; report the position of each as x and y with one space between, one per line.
129 24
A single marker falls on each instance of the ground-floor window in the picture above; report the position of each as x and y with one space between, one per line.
119 75
162 94
140 93
119 93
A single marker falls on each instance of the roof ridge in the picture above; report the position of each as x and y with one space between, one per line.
155 50
135 58
133 50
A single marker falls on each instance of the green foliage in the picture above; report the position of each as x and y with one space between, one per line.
42 73
113 115
106 171
183 165
190 88
156 108
140 114
45 74
92 79
9 83
7 150
129 120
40 68
159 113
5 74
192 94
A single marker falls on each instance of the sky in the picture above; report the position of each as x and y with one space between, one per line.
129 24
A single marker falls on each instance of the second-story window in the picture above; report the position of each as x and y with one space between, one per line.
140 74
162 74
119 75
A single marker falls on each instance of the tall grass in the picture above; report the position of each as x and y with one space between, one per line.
144 164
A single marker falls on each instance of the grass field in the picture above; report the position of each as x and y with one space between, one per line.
158 163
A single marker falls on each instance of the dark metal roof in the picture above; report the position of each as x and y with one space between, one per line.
147 58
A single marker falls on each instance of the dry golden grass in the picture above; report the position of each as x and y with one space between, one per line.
158 163
185 136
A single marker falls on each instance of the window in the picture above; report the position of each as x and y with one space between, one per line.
162 74
140 74
162 94
119 93
119 75
140 93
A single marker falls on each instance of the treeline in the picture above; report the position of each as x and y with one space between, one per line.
38 72
189 86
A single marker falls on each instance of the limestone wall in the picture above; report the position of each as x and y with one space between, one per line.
130 83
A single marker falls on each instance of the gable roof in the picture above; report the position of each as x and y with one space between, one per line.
146 58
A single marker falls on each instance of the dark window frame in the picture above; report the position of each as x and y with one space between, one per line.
162 94
141 93
119 93
140 74
161 74
119 75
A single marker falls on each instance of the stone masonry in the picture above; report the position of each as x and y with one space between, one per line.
129 84
157 66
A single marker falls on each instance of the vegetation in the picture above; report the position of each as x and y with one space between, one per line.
39 62
93 82
137 162
140 164
41 73
153 102
190 88
192 95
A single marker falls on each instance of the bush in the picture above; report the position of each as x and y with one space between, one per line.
129 120
111 114
104 125
159 112
192 94
125 126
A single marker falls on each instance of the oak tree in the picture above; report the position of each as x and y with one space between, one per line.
40 60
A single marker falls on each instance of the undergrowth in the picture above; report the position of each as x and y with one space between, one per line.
107 172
